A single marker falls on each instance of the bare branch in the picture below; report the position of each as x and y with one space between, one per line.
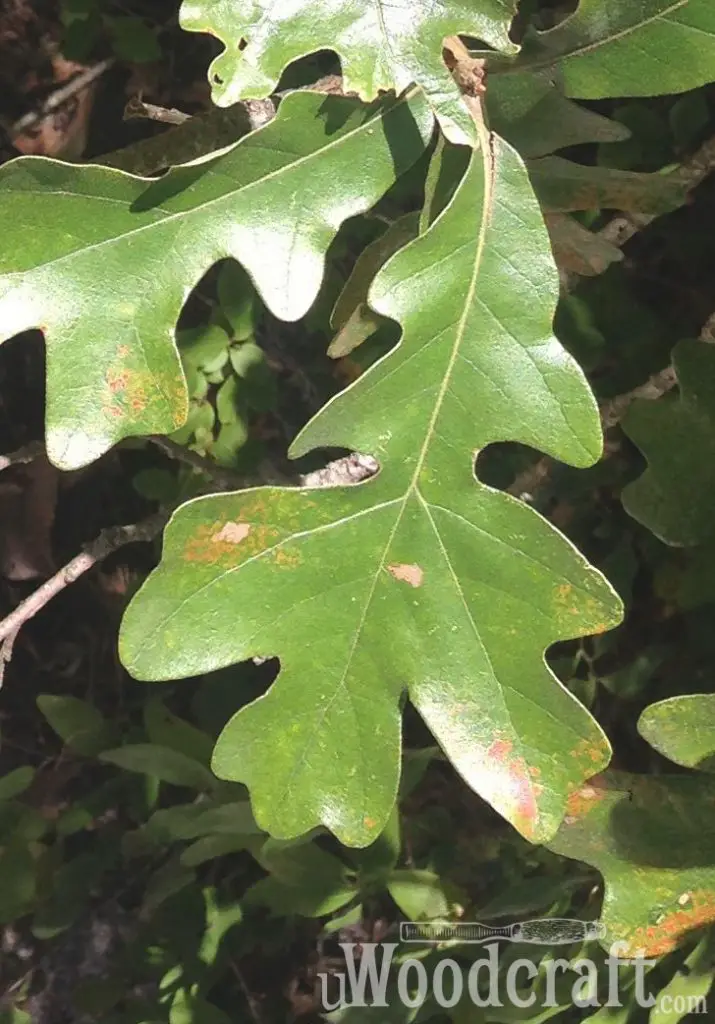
108 541
223 479
60 96
28 453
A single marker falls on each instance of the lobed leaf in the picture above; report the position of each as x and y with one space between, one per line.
530 111
674 497
381 46
653 840
682 729
103 262
563 185
420 580
628 47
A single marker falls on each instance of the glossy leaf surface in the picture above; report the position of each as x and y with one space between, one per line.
381 45
103 262
420 580
628 47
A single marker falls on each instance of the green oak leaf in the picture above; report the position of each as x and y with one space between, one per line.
653 840
102 261
628 48
675 496
530 111
381 45
563 185
420 580
682 729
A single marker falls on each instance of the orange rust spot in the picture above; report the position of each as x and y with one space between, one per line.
411 574
232 533
500 749
666 936
563 590
523 793
286 558
117 382
207 544
582 801
369 822
586 751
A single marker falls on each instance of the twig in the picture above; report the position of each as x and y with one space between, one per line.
108 541
27 453
60 96
136 107
254 1006
223 479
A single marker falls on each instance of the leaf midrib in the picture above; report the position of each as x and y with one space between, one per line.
590 47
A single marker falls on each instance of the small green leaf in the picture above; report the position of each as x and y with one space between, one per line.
686 991
204 348
304 879
16 782
195 820
77 722
161 762
165 882
675 496
211 847
237 299
19 873
682 729
418 894
165 729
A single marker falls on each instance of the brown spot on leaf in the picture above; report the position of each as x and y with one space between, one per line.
369 822
286 558
588 753
582 801
232 533
207 544
667 934
411 574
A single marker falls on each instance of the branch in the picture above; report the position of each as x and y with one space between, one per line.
27 453
60 96
223 479
108 541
